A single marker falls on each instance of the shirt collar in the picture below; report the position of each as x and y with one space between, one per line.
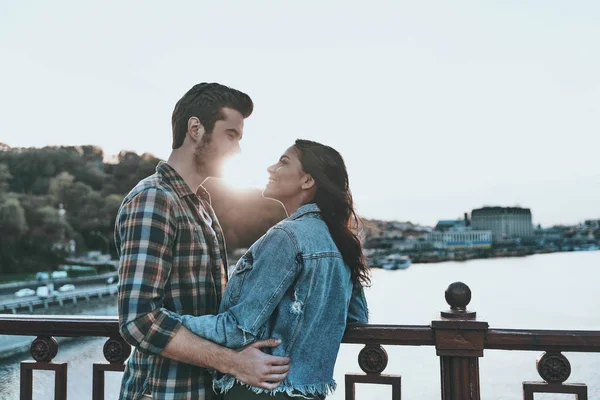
175 180
305 209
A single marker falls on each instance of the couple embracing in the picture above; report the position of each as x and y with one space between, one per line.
272 330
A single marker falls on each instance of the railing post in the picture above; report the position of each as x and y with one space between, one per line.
43 350
116 351
459 340
373 359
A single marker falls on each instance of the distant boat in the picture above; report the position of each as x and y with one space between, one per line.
587 247
396 262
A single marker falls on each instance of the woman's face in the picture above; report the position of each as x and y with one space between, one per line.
286 177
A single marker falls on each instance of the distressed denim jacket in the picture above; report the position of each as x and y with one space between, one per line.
293 285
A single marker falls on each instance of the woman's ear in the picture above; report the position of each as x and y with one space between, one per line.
308 182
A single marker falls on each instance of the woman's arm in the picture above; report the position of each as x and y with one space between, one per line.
358 312
275 267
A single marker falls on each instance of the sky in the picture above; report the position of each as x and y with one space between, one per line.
438 107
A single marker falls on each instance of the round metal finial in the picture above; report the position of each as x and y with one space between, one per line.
116 351
553 367
44 348
373 359
458 296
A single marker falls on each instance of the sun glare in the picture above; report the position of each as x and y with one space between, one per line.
244 173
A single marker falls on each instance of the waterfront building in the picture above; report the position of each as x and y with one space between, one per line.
460 239
505 222
445 225
409 243
548 235
449 225
593 224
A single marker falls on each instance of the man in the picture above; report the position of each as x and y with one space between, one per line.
173 259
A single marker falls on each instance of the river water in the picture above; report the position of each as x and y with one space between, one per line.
552 291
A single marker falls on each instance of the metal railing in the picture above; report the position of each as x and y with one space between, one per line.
459 339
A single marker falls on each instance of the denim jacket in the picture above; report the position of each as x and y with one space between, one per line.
293 285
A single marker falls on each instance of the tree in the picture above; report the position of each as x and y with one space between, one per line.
60 185
244 215
13 227
47 236
5 178
12 217
34 183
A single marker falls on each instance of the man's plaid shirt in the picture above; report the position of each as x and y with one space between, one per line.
172 257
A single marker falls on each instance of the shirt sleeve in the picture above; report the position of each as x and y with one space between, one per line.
358 312
275 267
145 233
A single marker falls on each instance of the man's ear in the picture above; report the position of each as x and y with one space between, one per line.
195 129
308 182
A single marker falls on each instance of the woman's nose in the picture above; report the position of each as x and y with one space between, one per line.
271 169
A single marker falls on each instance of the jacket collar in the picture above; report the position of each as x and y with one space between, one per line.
309 208
173 179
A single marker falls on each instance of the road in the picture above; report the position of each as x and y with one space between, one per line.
11 298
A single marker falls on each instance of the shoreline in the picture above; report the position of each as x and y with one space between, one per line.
421 258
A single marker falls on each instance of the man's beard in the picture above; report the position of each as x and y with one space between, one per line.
205 157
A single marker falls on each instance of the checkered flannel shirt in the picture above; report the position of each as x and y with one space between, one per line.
172 257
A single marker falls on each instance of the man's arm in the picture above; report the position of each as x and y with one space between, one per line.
275 268
146 230
250 365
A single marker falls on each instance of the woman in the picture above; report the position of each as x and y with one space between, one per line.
301 282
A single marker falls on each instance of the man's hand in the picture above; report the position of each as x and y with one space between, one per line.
249 365
256 368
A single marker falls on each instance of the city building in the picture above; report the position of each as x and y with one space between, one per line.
505 222
548 235
409 243
445 225
449 224
460 239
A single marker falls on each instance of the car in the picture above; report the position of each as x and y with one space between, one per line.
66 288
58 274
41 276
45 292
25 292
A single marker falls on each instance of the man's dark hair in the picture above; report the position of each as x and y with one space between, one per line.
206 102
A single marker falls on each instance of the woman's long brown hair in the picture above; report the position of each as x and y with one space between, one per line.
334 199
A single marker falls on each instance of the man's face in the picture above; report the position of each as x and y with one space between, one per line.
214 148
